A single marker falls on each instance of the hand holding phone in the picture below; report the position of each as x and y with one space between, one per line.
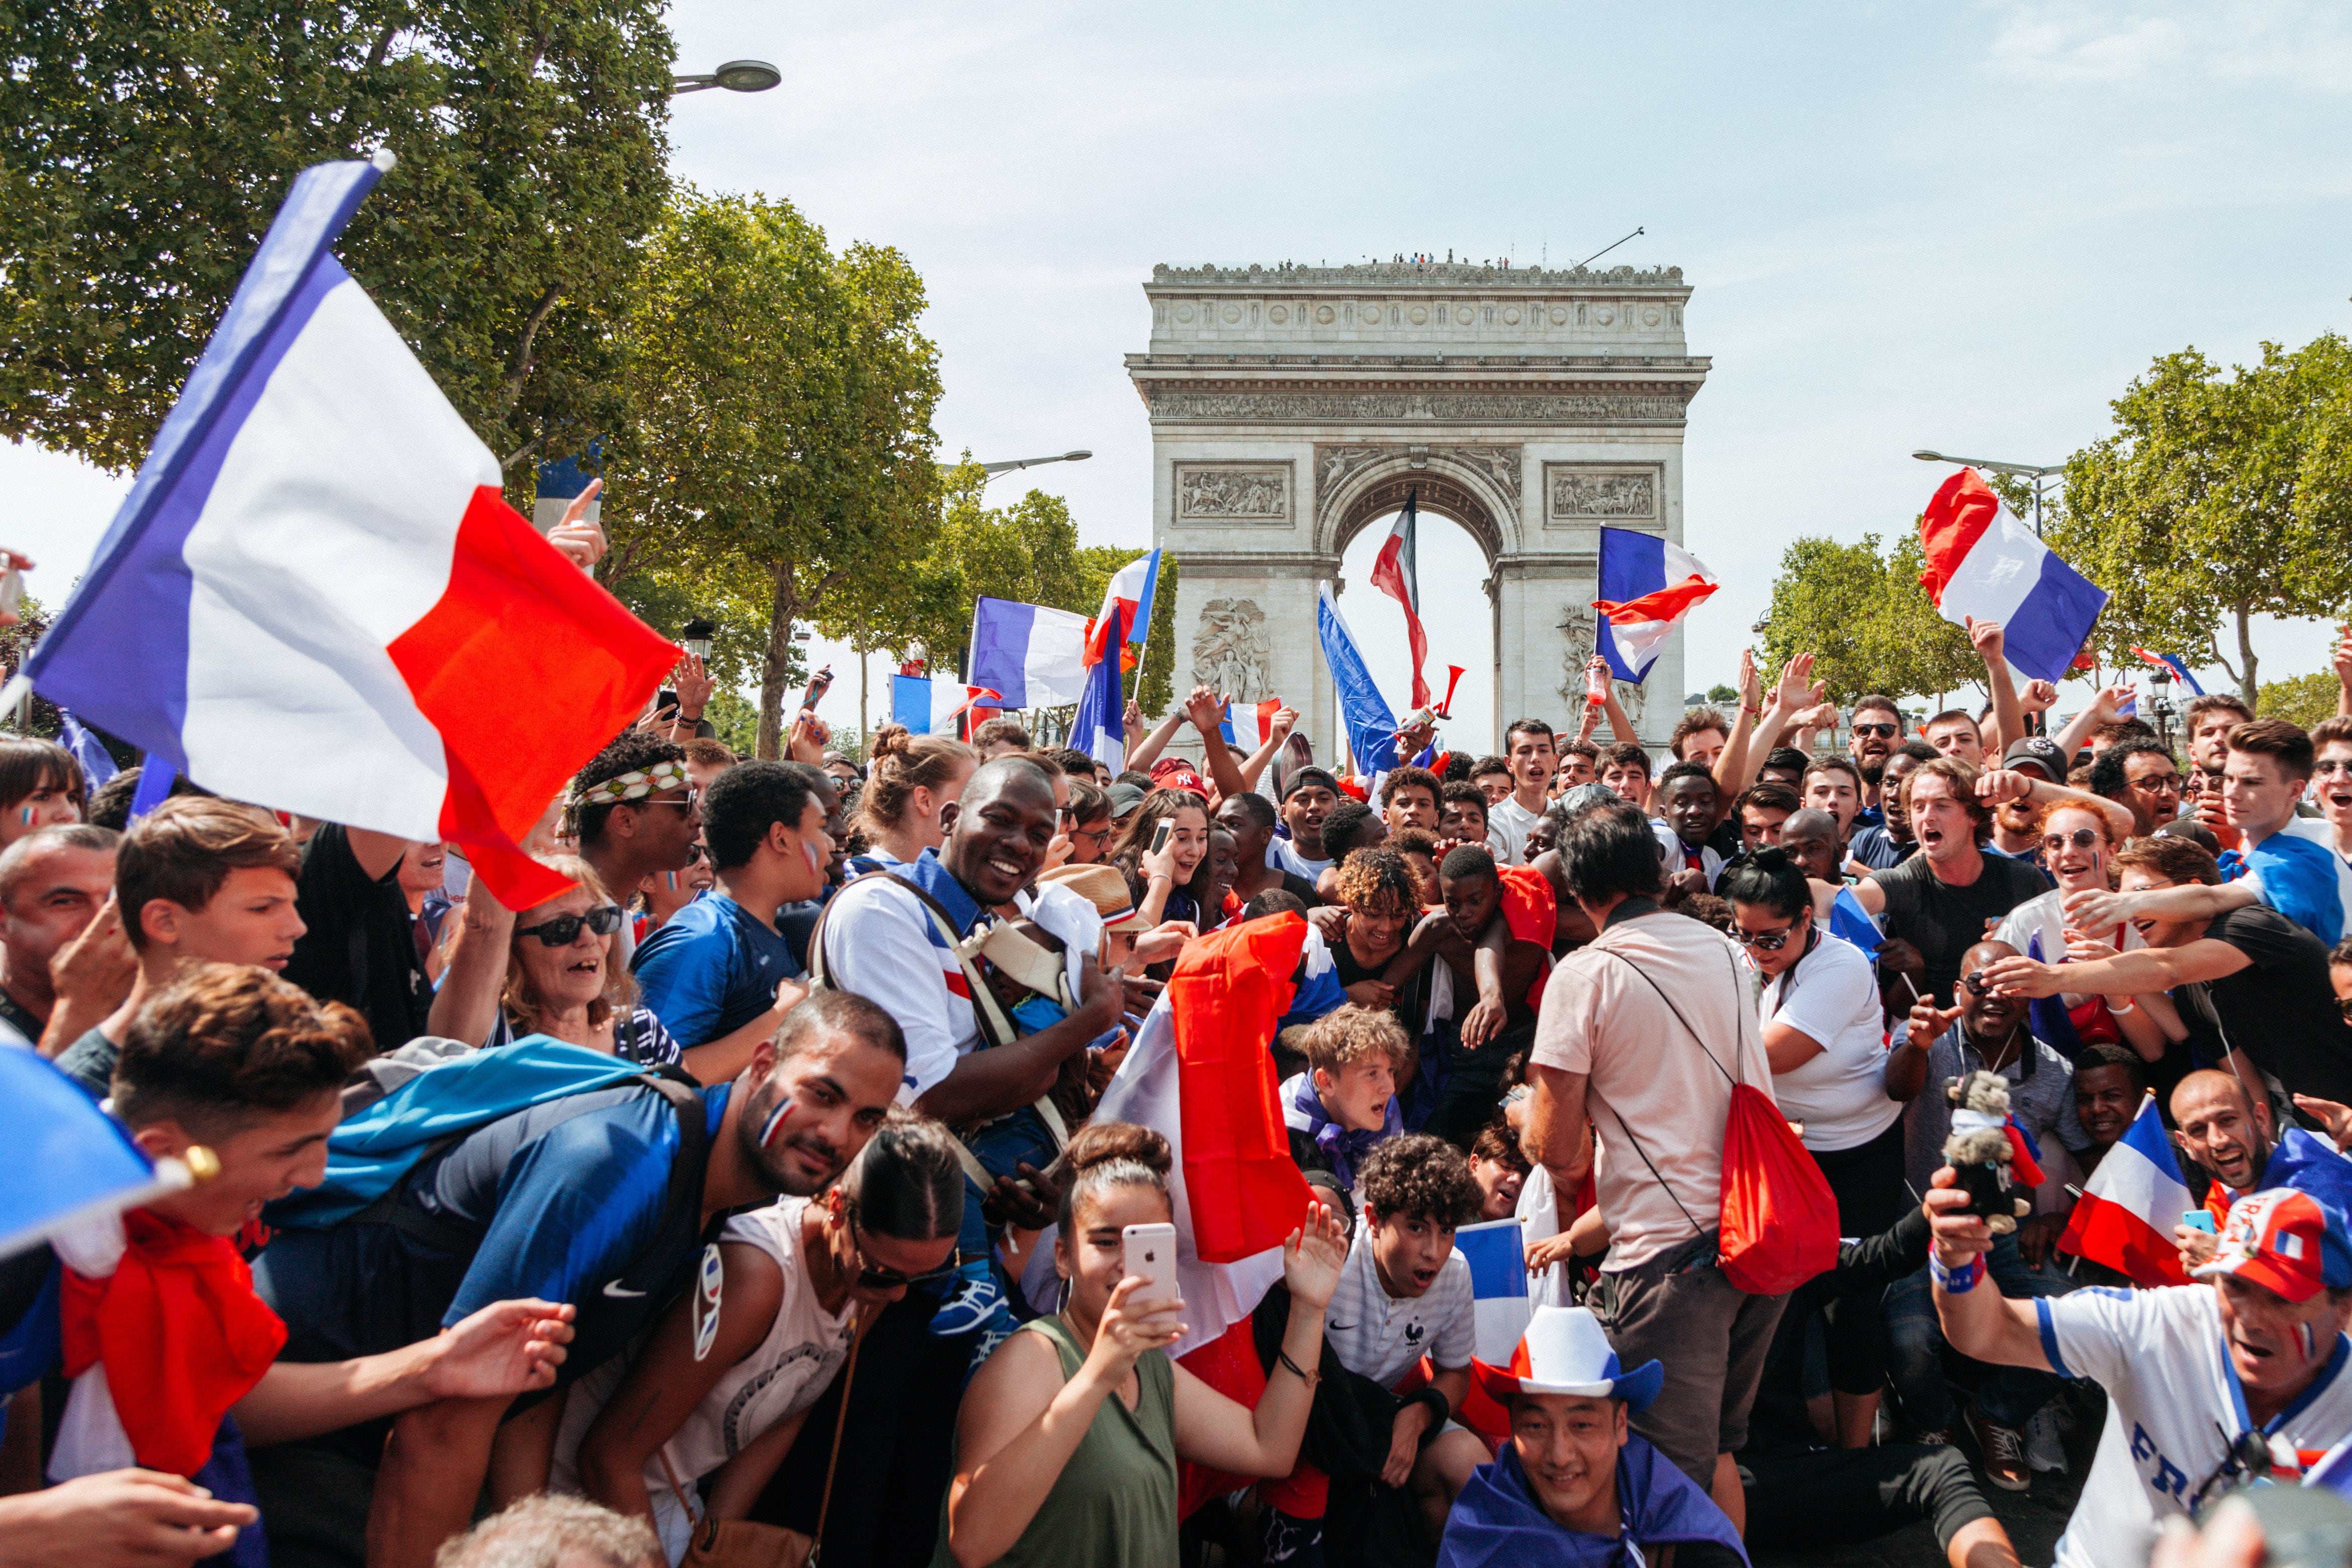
1159 834
1148 1252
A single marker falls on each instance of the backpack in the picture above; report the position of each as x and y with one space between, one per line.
371 1155
1778 1225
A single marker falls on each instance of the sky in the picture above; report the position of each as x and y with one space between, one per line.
1964 228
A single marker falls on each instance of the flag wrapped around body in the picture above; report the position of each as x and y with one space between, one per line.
1985 565
1648 584
315 597
2129 1208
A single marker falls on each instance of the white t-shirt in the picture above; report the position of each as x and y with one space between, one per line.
2173 1406
1510 821
2045 917
790 1371
1377 1336
1537 1212
1839 1096
1673 855
1282 856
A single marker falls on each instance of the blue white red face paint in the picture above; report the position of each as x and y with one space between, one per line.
2310 1344
776 1120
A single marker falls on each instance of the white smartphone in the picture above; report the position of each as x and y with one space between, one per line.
1149 1250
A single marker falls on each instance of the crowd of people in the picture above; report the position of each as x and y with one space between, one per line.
753 1194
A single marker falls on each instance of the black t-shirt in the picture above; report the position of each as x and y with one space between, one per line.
359 948
20 1018
1942 921
2280 1008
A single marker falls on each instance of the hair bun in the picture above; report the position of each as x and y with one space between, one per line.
891 740
1099 1142
1769 857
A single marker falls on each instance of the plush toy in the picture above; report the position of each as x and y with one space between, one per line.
1979 1150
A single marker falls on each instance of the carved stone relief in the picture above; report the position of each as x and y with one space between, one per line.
1468 408
1499 464
1333 464
1582 493
1243 493
1231 650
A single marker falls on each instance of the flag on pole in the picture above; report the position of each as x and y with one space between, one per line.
2176 666
1364 716
929 707
1396 573
315 597
1131 593
1647 585
2131 1202
1261 720
1985 565
97 762
1099 727
1032 656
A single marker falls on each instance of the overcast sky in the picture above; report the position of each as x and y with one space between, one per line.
1963 226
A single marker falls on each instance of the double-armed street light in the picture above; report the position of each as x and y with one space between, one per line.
2035 472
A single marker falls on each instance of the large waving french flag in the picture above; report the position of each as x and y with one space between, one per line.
1647 585
1130 592
1985 565
1032 655
2129 1208
314 598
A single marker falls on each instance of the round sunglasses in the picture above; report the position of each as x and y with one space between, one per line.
564 930
2081 838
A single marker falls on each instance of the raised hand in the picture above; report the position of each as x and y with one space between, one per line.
2017 975
2096 909
1795 685
575 535
1985 637
1752 685
1928 1023
1285 719
694 684
1312 1257
2335 1118
1203 708
2038 696
2001 784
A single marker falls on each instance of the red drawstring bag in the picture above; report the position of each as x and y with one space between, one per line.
1780 1217
1779 1220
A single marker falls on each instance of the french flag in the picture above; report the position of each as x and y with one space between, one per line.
1396 574
2131 1202
1985 565
2176 666
1130 592
316 600
1497 1252
1099 727
1851 921
929 707
1263 724
1647 585
1364 716
1030 656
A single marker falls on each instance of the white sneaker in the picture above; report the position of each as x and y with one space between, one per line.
2043 1451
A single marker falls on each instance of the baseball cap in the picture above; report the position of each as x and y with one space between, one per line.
1311 774
1175 773
1124 797
2286 1241
2041 754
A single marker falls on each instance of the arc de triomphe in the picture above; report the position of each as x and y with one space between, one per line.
1293 406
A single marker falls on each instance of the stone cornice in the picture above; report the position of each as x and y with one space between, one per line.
1664 281
1357 400
1485 365
1259 564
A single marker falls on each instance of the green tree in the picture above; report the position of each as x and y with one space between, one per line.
144 147
779 444
2218 498
2305 700
1863 616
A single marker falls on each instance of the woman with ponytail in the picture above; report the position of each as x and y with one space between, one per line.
1067 1440
913 778
797 1282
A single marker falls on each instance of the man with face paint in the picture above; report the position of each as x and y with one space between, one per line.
2196 1376
570 1201
718 973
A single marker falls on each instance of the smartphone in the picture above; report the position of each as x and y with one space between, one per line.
667 699
1149 1250
1159 834
2197 1220
817 687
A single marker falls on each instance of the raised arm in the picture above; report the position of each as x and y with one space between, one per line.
1207 710
2001 784
2102 710
1978 1320
466 1007
2132 974
1731 771
2008 716
1140 758
2093 909
1216 1431
1285 721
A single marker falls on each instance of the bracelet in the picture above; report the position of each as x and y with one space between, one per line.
1957 1282
2129 1006
1441 1411
1160 876
1308 1378
1755 712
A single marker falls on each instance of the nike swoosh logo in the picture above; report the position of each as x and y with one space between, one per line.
1340 1328
612 1288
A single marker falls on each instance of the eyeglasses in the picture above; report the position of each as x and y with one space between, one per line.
2332 765
870 1278
1885 731
1764 941
564 930
693 799
2081 838
695 851
1097 836
2162 783
1976 984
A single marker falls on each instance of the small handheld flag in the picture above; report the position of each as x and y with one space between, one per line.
1985 565
929 707
2129 1208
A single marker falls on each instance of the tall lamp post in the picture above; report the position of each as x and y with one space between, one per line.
2037 473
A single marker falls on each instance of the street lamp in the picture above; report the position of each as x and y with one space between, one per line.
2026 470
735 76
993 469
695 637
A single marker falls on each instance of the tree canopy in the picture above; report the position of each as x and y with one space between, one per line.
2220 497
1860 611
144 148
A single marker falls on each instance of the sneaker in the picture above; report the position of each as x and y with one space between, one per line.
2045 1450
978 1300
1289 1541
1932 1438
2003 1448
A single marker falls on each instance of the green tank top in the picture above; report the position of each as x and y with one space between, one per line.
1115 1502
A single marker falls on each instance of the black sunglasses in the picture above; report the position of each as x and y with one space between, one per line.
564 930
2081 838
1976 984
1764 941
870 1278
1887 730
694 853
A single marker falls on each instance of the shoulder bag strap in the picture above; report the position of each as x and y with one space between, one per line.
994 1024
840 1420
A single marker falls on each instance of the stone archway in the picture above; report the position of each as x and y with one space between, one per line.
1291 407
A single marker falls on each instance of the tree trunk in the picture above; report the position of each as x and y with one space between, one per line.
775 661
2248 687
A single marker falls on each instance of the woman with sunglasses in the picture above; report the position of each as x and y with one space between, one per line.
726 1379
2078 847
555 969
1822 1031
